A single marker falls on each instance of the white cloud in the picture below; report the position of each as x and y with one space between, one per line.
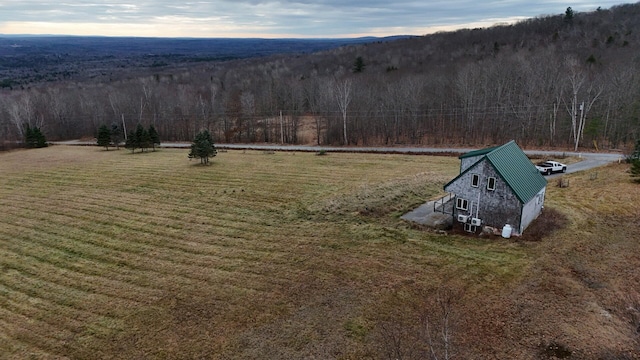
268 18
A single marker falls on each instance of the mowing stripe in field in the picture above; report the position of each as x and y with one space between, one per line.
92 239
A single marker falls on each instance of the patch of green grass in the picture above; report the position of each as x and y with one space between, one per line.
357 328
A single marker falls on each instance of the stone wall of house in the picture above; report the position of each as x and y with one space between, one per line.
466 163
496 207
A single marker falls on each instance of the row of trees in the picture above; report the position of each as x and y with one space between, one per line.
203 146
109 136
141 138
543 82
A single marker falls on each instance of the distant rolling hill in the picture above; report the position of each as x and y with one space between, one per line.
27 59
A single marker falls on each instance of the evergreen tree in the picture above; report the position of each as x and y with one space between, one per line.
203 147
154 137
358 65
634 159
132 142
142 137
104 137
568 15
41 141
635 170
636 151
28 137
145 143
116 135
34 138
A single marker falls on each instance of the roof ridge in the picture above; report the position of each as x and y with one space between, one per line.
484 151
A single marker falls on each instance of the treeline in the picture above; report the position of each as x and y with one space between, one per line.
568 80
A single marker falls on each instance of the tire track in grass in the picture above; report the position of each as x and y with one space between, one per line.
25 301
223 294
56 273
34 333
120 259
9 345
68 282
267 250
79 270
264 233
213 217
56 257
54 306
84 214
168 270
198 252
157 224
236 244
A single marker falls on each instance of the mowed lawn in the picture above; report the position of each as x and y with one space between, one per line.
105 254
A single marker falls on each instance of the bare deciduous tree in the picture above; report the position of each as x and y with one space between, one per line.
439 323
577 109
22 112
425 329
342 94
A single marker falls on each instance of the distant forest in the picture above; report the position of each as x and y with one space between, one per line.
569 81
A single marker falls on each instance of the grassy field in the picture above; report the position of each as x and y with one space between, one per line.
292 255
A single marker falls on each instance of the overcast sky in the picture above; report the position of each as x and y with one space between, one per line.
269 18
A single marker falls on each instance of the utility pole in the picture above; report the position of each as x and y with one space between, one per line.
582 120
580 129
124 127
281 128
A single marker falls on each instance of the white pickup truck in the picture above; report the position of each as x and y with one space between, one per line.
548 167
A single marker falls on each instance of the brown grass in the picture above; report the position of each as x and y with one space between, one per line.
549 222
573 293
112 255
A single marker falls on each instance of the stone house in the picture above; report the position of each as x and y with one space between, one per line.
497 186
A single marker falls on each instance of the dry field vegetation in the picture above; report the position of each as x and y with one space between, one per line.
292 255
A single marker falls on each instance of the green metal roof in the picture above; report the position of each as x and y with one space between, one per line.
515 168
477 152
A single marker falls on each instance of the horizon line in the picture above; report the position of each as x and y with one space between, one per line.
205 38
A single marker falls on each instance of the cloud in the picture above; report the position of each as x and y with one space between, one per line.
267 18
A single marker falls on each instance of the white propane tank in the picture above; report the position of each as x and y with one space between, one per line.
506 231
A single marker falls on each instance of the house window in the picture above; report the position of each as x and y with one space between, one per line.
462 204
491 183
475 180
470 228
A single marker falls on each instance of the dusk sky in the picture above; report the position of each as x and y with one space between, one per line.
269 18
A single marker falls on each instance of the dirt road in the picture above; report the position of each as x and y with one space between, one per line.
590 160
